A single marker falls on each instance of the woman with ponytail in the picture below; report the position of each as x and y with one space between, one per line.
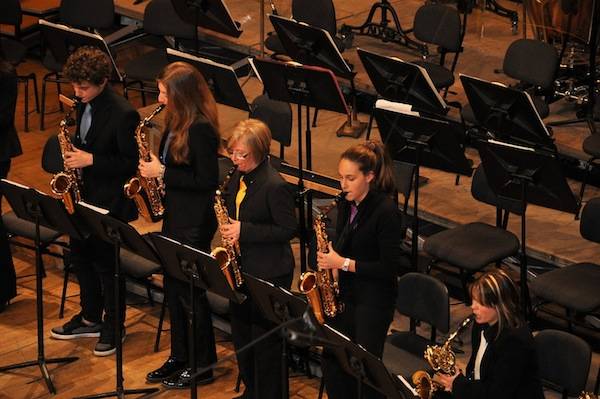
366 255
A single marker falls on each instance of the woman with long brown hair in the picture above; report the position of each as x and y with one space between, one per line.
189 169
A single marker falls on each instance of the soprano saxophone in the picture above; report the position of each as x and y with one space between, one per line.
228 255
66 184
320 287
146 192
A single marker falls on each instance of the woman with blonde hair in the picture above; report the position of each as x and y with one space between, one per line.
188 165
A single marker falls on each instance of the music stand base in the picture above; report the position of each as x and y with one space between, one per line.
42 363
352 129
121 394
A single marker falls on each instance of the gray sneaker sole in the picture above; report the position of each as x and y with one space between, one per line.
101 353
56 335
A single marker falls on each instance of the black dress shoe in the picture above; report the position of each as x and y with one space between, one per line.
170 367
182 380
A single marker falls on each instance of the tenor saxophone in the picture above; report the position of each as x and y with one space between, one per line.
66 184
321 287
227 255
146 192
442 359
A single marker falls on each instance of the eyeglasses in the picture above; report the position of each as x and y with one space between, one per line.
237 155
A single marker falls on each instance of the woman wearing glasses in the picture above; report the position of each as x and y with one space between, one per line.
189 168
261 208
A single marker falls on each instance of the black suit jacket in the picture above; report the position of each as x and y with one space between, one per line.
268 222
373 241
10 146
190 188
111 141
508 368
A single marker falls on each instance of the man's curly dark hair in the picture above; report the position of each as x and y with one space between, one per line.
89 64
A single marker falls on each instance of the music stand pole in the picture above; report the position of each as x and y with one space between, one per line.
262 27
35 212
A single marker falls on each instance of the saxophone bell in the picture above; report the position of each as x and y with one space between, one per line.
223 260
309 287
62 186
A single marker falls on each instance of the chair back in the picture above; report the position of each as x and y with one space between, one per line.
424 298
160 19
531 61
403 180
52 161
318 13
277 115
10 13
440 25
589 227
563 361
481 191
96 14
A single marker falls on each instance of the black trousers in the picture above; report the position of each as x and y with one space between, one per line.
178 302
8 278
95 267
366 326
260 365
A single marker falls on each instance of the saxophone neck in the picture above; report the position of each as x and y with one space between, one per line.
461 327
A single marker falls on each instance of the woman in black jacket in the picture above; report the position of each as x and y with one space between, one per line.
503 360
366 256
189 168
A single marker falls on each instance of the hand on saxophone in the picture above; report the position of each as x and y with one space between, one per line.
330 260
78 159
150 169
231 231
446 380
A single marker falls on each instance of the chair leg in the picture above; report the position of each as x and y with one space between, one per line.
588 172
160 324
59 92
238 383
465 287
63 298
43 109
33 77
321 388
26 104
370 123
314 122
149 294
143 93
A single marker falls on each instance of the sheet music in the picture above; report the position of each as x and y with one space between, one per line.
94 207
519 147
181 54
14 183
401 108
251 62
407 385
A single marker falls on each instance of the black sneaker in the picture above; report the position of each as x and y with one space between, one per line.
76 328
106 344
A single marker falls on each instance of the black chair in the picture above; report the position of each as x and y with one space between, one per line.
277 115
473 246
160 20
591 146
563 361
574 288
425 299
13 49
440 25
317 13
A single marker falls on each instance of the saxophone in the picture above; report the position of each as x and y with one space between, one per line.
587 395
146 192
442 359
66 184
321 287
228 254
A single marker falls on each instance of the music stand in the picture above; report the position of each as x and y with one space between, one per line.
403 82
310 45
43 210
507 113
221 79
364 366
311 86
422 141
531 176
120 234
281 307
199 270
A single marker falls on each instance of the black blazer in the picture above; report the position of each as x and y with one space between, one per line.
10 146
373 241
111 141
190 188
268 222
508 369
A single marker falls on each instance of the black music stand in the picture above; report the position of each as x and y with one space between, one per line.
120 234
209 14
199 270
310 45
221 79
43 210
281 307
381 30
531 176
404 82
422 141
363 365
507 113
311 86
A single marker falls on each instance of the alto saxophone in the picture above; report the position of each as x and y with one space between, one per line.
228 255
321 287
66 184
146 192
442 359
